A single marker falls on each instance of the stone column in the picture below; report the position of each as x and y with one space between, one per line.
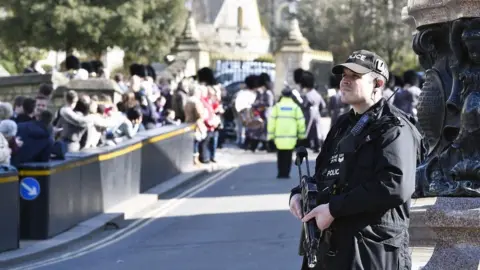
189 44
449 230
294 53
408 20
447 43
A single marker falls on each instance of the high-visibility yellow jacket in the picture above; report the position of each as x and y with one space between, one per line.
286 124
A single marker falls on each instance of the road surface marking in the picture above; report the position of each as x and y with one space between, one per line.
134 226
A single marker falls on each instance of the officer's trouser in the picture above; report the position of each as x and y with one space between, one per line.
284 162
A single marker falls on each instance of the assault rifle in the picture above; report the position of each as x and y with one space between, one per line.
311 235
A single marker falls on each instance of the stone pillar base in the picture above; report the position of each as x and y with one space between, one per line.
452 227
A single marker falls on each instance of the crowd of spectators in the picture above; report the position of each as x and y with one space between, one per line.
32 130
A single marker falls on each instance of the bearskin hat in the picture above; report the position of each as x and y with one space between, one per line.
252 81
97 66
308 80
151 72
87 66
265 79
297 75
399 81
411 77
72 62
206 76
334 81
138 69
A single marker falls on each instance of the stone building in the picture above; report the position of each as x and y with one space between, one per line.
230 37
231 28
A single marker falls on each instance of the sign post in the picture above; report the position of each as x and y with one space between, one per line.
29 188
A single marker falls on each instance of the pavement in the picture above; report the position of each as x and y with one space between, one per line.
234 218
33 249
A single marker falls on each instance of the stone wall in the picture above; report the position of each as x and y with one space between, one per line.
28 85
25 85
93 86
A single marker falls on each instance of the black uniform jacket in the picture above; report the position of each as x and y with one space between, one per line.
370 230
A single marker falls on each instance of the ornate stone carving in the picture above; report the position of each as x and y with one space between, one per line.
428 12
448 47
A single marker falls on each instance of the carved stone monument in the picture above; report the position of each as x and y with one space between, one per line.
294 52
447 43
189 45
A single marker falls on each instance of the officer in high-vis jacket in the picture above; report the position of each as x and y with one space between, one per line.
367 164
286 126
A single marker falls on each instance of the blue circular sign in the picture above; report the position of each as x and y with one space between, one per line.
29 188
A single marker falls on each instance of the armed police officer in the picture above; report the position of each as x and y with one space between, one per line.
365 174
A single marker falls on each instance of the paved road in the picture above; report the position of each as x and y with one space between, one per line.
236 222
240 222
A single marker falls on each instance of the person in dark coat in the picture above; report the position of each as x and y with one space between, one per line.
367 166
149 119
17 106
179 100
37 140
28 111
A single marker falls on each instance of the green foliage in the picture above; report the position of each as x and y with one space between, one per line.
15 59
142 27
406 60
151 32
343 26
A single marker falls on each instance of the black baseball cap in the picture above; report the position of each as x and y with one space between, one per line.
287 91
363 62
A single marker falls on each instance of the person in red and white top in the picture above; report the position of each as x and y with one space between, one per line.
212 122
